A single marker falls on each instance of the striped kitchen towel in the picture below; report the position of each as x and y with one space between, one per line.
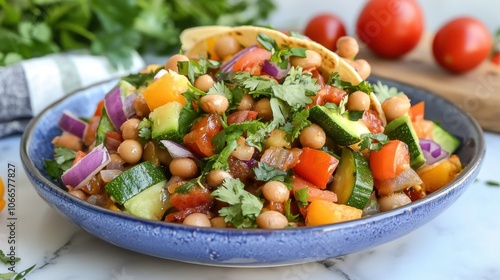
28 87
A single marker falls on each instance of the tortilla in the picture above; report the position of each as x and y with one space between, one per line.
196 41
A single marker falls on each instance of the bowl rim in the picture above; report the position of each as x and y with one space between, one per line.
48 185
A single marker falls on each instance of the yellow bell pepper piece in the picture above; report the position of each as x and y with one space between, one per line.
322 212
167 88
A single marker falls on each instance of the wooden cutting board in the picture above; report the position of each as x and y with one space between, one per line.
477 91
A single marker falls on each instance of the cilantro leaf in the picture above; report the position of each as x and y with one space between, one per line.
383 92
63 160
265 172
288 214
301 195
373 141
243 208
145 129
363 86
254 85
299 122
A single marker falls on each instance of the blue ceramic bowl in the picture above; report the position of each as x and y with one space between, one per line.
234 247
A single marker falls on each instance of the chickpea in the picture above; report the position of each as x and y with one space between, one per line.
185 168
313 137
276 191
271 220
215 178
173 60
218 222
197 220
204 82
214 103
347 47
130 151
358 101
396 106
78 193
243 151
226 46
246 102
68 141
263 109
140 106
277 139
393 201
363 68
312 60
130 129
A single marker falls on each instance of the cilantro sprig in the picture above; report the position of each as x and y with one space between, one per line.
279 55
243 208
63 159
373 141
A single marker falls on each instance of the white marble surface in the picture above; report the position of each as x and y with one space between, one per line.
461 243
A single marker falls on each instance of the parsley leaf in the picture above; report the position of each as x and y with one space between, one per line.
243 208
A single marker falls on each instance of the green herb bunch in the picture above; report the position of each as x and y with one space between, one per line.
33 28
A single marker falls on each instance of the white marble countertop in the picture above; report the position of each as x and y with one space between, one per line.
461 243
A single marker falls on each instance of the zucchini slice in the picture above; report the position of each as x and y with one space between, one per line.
353 179
134 180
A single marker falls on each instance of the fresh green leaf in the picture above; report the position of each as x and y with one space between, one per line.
6 259
383 92
265 172
299 122
144 128
62 155
243 208
356 115
373 141
493 183
363 86
288 213
301 195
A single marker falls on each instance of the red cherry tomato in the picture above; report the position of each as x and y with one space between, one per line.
496 58
390 28
462 44
325 29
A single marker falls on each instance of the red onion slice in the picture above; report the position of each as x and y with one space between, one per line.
72 124
118 103
274 70
80 173
176 150
228 65
432 151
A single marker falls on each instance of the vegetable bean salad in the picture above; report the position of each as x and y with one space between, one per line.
269 131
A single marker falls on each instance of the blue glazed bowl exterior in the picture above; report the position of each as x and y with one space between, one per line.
234 247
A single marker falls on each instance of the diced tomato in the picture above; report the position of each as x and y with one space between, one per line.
373 121
319 78
241 116
312 191
328 94
390 161
316 166
79 155
252 61
417 111
90 133
113 140
194 198
199 140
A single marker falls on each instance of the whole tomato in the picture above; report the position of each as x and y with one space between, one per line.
325 29
496 58
390 28
462 44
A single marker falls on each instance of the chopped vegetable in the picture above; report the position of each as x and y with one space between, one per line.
432 151
72 124
80 173
322 212
390 161
167 88
439 174
316 166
